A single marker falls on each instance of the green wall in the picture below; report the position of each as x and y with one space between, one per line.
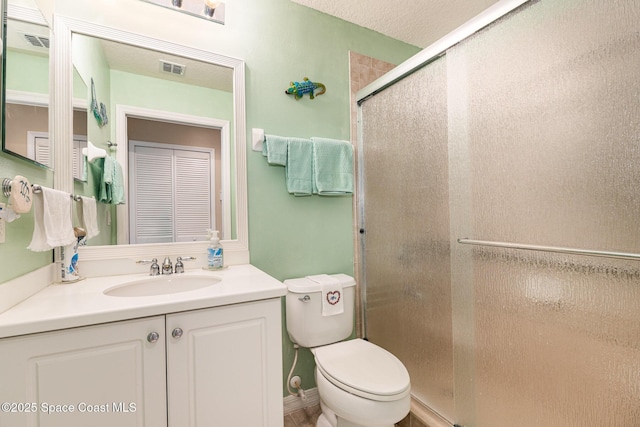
281 42
16 258
298 236
27 72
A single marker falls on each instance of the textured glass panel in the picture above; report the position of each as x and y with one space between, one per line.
533 137
553 123
557 340
546 134
407 267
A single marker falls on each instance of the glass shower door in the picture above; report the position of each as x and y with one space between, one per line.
527 132
406 250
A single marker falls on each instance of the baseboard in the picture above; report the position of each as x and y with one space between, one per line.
427 416
295 403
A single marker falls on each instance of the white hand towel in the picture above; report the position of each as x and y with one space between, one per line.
52 216
89 216
332 301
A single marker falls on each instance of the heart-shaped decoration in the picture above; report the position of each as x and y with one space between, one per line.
333 297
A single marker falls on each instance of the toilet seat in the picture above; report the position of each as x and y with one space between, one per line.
363 369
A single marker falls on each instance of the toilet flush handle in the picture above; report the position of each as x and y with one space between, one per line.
306 298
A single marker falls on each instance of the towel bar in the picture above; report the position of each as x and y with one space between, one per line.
36 188
556 249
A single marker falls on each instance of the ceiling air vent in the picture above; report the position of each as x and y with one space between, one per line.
172 68
37 41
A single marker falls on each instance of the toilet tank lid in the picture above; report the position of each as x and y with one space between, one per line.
304 285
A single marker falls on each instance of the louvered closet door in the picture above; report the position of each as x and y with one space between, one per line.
75 159
151 195
43 150
170 193
193 207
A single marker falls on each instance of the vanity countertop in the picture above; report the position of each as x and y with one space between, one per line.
82 303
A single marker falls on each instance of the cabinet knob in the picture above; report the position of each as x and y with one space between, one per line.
153 337
176 333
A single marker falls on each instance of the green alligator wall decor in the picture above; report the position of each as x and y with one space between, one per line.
298 89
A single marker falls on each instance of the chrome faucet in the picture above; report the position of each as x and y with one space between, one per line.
154 270
179 268
167 267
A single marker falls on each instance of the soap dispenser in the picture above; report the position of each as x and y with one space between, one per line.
215 259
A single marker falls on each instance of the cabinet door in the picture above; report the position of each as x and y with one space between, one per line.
225 369
100 376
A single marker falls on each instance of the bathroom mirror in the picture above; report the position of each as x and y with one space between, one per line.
162 109
26 85
150 107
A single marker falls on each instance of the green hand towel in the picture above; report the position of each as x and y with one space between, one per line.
275 149
298 171
112 183
107 180
332 167
117 186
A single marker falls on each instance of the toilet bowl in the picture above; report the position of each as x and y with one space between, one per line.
360 384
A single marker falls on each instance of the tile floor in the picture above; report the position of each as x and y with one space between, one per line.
303 418
307 418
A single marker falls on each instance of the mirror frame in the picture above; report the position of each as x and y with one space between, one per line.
61 128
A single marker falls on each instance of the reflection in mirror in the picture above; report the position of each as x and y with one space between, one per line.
184 159
136 96
79 162
27 91
170 119
26 132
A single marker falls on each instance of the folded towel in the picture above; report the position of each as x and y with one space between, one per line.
112 183
89 216
332 301
332 167
107 179
117 186
52 216
299 168
275 149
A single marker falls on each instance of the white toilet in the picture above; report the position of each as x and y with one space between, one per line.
359 383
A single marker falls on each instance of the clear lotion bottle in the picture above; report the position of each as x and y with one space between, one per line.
215 258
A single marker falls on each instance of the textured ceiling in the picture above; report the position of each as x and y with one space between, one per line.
417 22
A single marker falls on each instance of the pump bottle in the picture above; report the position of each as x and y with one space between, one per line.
215 259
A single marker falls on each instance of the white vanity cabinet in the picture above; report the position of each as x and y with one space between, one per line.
225 366
213 367
103 375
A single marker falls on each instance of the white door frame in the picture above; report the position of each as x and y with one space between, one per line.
125 111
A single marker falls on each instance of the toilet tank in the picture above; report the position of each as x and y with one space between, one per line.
306 325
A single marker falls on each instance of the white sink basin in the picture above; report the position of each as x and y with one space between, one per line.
161 285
